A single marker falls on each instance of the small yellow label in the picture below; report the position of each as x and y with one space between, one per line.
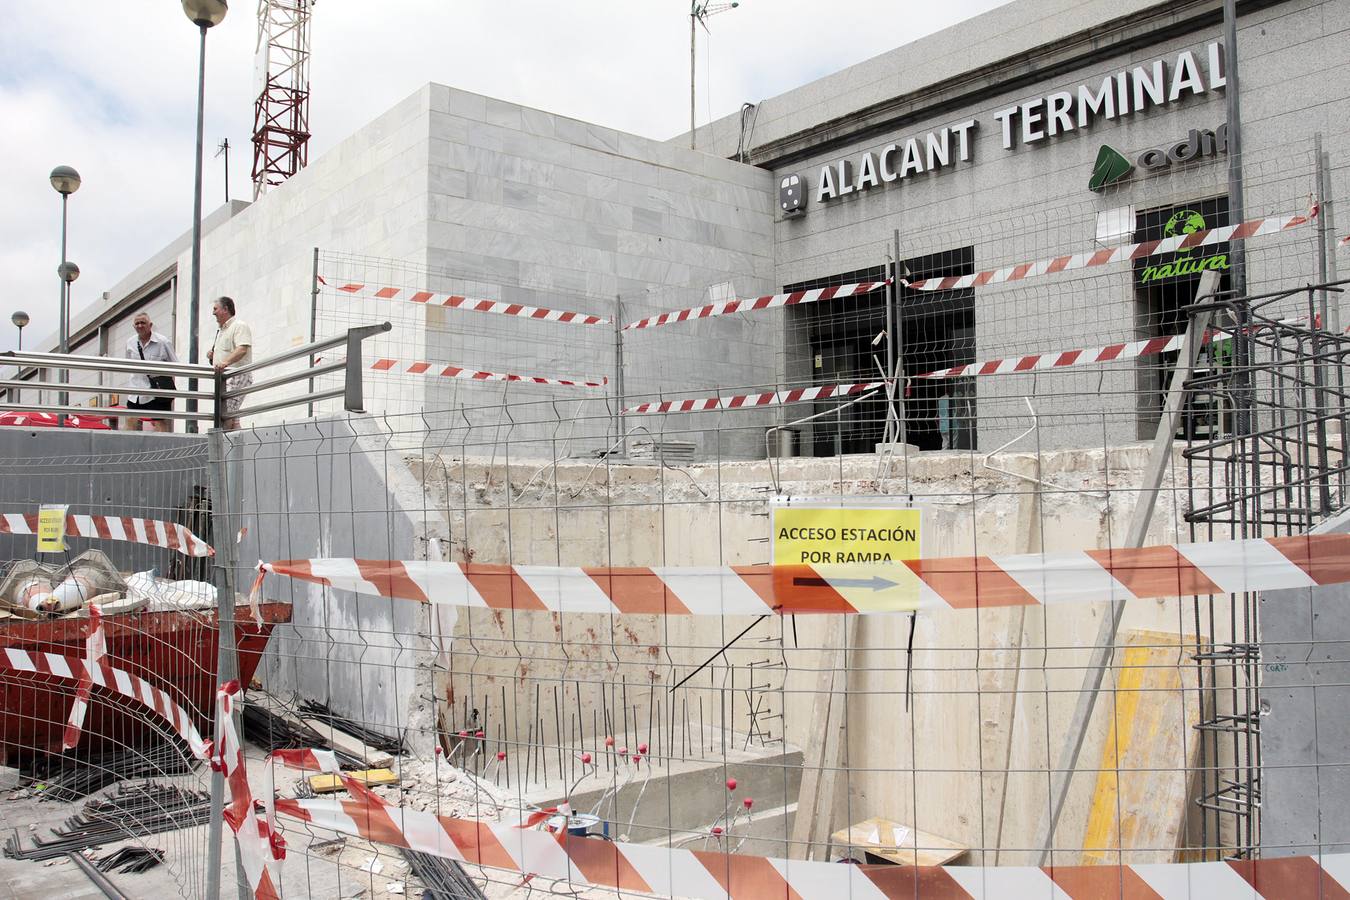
835 536
51 528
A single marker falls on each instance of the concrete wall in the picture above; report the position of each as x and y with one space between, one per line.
1305 735
543 210
98 473
322 489
993 690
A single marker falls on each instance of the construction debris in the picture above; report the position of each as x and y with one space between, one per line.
328 784
134 811
444 879
318 712
131 859
74 776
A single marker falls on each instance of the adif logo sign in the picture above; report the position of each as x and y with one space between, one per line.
790 198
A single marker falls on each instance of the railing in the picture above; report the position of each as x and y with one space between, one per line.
218 392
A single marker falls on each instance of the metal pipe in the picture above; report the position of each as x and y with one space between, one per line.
1232 101
693 20
302 375
1328 218
313 316
227 661
64 343
103 364
104 411
293 401
195 303
618 377
306 350
98 389
98 878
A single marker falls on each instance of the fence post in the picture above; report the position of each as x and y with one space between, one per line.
619 437
227 660
313 320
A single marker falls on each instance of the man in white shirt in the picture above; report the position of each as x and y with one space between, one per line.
232 348
147 344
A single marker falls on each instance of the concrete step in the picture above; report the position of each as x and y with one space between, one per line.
680 798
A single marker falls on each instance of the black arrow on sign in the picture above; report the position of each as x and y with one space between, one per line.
876 582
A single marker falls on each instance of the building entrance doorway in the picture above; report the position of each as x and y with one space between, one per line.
836 343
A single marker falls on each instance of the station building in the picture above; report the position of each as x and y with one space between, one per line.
1031 132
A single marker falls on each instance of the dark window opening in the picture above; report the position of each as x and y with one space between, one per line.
835 342
1164 285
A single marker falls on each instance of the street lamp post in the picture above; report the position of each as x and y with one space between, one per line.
66 181
20 320
68 272
204 14
698 13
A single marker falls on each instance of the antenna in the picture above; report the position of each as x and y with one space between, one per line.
281 112
224 147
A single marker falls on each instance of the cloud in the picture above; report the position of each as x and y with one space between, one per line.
111 90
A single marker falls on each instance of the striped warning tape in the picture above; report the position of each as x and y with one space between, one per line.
105 676
95 648
1204 238
116 528
770 398
771 301
1039 362
1033 362
398 366
261 848
963 582
473 304
674 872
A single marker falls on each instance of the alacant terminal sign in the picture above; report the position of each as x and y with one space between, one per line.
1137 89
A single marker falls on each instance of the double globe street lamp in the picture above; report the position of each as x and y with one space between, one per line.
204 14
66 181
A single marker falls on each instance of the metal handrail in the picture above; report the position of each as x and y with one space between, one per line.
103 389
104 364
351 391
103 412
280 380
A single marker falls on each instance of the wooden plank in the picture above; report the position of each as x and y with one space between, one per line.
349 744
820 757
327 784
1139 807
903 845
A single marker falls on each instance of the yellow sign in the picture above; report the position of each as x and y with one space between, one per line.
51 529
843 536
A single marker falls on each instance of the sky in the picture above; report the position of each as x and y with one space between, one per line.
110 89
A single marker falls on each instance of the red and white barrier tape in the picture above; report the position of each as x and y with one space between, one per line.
473 304
1039 362
771 301
666 871
674 872
1204 238
116 528
120 681
398 366
1034 362
963 582
771 398
95 648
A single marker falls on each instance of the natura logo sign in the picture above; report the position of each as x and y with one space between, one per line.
1183 222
